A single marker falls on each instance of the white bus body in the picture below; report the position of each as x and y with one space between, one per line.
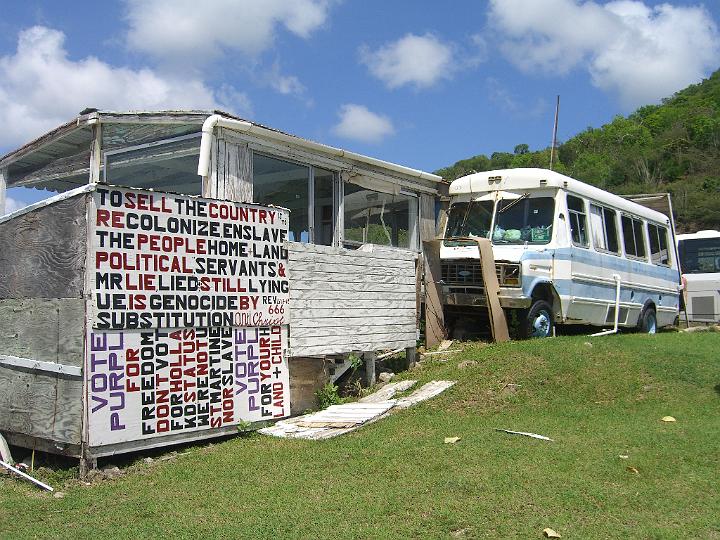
700 266
561 247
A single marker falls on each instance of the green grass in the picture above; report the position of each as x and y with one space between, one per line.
396 478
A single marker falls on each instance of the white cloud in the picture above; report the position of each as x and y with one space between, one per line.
419 61
284 84
639 52
11 205
40 87
360 124
191 30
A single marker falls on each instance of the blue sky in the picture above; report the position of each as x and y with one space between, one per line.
419 83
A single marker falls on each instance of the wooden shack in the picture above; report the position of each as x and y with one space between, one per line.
352 245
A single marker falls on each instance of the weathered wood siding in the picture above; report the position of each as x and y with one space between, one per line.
42 253
42 317
231 171
343 300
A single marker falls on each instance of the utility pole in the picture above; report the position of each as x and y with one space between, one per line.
554 137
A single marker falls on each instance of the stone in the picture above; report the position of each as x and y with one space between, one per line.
466 364
386 376
111 470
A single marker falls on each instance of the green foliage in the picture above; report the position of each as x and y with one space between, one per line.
244 428
673 147
355 361
328 395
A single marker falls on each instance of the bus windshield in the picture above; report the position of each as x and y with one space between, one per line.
468 219
525 219
699 255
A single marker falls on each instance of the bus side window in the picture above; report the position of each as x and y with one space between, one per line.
578 221
633 237
603 228
659 253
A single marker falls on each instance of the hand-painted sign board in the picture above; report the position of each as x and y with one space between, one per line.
187 315
172 261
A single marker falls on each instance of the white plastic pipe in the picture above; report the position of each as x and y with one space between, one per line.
616 277
216 120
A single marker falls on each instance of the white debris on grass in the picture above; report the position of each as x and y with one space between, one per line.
339 419
526 434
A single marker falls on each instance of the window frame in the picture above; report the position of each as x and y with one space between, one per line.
633 220
311 191
584 215
603 209
161 142
413 228
660 229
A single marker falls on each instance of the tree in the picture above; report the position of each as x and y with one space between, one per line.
521 149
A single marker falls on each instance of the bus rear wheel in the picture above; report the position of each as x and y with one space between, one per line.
648 321
538 320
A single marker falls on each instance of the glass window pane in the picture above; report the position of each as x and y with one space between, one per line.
611 231
639 237
699 255
385 219
654 240
284 184
578 221
468 219
597 228
658 244
524 220
170 166
576 204
664 251
628 236
324 222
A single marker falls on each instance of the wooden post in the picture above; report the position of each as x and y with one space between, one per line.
96 154
435 330
427 217
3 190
369 358
410 356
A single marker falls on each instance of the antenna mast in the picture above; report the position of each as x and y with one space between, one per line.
554 137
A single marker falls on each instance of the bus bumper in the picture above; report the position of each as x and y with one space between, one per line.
509 299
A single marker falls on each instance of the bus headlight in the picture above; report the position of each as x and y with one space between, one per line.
509 275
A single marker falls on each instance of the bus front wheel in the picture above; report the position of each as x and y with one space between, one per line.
538 320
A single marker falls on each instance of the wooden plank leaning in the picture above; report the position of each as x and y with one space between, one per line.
498 323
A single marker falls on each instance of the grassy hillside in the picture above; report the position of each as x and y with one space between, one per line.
396 478
671 147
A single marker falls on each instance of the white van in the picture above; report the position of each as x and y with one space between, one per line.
565 252
700 266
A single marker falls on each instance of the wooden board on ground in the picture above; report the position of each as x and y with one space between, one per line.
339 419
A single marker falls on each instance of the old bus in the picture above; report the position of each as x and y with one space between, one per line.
700 266
565 253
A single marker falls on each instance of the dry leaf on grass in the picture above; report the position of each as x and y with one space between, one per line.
549 533
632 470
668 419
451 440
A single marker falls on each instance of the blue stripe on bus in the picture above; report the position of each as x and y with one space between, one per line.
602 260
